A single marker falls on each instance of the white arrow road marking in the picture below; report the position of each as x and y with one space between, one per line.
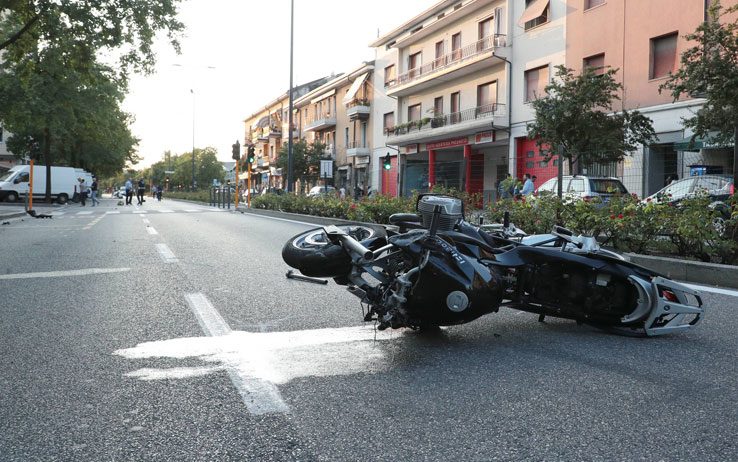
258 361
60 274
166 254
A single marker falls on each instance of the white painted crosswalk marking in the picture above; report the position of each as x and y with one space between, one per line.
166 211
151 230
59 274
112 212
87 212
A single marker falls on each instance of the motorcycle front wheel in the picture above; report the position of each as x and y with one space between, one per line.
315 255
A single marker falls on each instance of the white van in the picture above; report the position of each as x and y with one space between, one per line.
14 184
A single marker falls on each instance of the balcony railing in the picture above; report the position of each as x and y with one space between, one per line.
320 121
358 102
358 148
428 123
446 61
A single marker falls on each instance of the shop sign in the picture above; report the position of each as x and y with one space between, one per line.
450 143
485 137
411 149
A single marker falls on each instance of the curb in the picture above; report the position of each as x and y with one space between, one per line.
712 274
8 216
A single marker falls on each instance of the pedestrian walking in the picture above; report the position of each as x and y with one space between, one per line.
93 192
342 193
82 187
129 191
141 191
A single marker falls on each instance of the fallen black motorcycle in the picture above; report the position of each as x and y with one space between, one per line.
433 268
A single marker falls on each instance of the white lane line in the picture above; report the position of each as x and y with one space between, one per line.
146 221
112 212
717 290
193 210
151 230
142 211
60 274
166 254
166 211
260 396
88 212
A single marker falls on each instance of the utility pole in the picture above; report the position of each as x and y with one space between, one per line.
193 138
289 119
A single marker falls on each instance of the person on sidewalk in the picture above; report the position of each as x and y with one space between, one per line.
93 192
82 187
141 191
129 191
528 186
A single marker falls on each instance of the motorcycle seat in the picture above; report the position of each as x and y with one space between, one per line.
399 218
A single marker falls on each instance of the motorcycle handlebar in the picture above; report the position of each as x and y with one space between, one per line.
355 246
561 230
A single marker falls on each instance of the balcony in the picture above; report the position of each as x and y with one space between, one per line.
285 132
358 149
463 61
358 109
445 125
321 122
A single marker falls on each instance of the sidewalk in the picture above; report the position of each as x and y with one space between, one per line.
12 211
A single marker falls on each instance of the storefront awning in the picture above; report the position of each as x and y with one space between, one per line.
354 88
698 144
534 11
263 122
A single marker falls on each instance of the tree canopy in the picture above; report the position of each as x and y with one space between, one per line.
576 115
709 69
305 160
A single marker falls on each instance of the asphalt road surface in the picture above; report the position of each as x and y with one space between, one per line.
169 332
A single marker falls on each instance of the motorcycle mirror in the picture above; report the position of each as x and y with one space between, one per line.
506 220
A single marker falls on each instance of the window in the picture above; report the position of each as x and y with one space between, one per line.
456 102
576 185
389 75
414 60
530 154
438 106
487 94
535 83
1 134
439 54
485 32
456 46
663 55
389 120
536 13
596 63
346 137
592 3
413 112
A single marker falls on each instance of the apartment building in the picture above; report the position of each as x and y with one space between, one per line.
338 114
267 130
7 159
447 68
539 30
625 35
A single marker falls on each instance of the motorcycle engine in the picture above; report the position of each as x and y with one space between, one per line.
451 211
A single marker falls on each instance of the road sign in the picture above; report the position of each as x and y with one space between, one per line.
326 169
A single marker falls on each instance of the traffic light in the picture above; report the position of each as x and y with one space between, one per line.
387 162
236 150
250 156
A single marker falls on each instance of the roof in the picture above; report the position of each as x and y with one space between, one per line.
407 25
340 79
297 92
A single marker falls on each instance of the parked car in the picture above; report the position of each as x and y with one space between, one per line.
718 188
582 187
318 191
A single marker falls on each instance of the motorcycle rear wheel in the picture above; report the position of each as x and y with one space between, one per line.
314 255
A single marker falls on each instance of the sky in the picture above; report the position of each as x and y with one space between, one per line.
235 59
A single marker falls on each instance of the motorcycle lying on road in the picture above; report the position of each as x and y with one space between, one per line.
433 268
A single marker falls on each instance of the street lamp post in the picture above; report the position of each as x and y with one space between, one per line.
289 122
193 138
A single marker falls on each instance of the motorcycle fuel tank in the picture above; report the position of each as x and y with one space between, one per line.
452 288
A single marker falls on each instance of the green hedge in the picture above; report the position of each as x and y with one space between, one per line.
625 223
630 225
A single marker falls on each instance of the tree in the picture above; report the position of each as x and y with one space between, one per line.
576 116
207 168
127 27
709 69
305 160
